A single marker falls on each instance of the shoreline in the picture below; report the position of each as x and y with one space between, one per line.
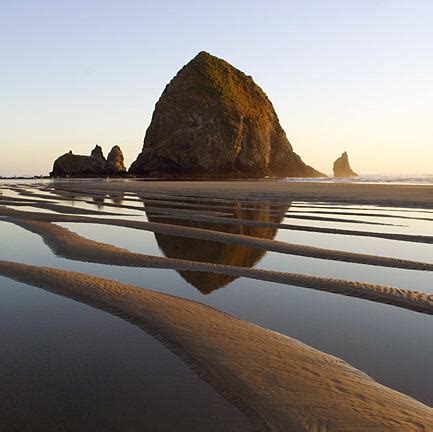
393 195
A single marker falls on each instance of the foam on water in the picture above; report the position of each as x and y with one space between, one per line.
371 178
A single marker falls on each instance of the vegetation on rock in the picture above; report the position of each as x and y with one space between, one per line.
213 120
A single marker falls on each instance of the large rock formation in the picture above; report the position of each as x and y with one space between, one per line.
213 120
94 165
342 167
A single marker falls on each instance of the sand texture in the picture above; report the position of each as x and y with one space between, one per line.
282 384
278 382
222 237
386 194
70 245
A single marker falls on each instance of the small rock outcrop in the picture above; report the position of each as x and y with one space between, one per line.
115 160
95 165
213 120
97 153
342 167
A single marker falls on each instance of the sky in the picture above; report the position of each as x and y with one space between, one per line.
342 75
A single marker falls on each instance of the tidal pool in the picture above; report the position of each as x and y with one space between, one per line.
393 345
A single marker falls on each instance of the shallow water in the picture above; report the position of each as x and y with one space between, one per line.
91 370
103 372
146 242
392 345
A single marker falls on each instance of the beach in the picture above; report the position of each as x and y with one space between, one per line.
215 234
355 193
282 384
216 217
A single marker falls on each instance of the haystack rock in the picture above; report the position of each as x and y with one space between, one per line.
342 167
94 165
213 120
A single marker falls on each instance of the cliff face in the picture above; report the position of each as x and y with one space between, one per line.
212 119
94 165
342 167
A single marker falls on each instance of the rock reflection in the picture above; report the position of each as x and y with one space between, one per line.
214 252
99 200
117 198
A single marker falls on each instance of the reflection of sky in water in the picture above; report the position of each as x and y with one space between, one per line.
144 242
30 209
136 214
90 369
392 345
16 195
134 240
78 203
357 207
398 226
408 279
298 209
366 245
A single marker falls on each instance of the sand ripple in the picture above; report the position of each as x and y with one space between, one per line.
70 245
279 382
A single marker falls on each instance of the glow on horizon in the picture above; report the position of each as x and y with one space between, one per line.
342 75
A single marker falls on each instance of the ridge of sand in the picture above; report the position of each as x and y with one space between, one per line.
281 383
184 214
202 209
415 238
219 211
223 237
392 195
198 202
12 199
366 214
58 208
199 196
70 245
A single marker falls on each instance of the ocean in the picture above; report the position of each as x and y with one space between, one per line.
373 179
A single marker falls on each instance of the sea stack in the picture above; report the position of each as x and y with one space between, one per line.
115 160
95 165
212 120
97 153
342 167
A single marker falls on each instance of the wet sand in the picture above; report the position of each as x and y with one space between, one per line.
282 384
68 244
368 194
231 238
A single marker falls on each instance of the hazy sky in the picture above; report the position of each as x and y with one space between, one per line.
342 75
